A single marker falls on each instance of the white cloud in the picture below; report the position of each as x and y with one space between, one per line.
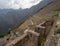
16 4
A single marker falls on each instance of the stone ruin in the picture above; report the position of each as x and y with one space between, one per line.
32 33
53 38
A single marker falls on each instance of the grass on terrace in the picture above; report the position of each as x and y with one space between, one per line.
36 19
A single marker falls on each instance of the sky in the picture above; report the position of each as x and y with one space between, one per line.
16 4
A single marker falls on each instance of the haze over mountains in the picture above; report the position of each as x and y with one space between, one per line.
9 18
16 4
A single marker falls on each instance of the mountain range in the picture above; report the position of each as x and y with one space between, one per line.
10 18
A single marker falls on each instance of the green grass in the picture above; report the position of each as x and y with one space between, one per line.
36 19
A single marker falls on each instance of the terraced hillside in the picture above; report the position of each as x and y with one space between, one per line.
43 14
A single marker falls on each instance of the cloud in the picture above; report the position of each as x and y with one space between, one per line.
16 4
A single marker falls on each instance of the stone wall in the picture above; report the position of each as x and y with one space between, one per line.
22 41
34 34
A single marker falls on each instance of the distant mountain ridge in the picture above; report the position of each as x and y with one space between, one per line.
9 18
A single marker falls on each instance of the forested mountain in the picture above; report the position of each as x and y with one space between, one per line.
9 18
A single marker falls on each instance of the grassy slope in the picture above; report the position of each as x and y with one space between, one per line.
36 19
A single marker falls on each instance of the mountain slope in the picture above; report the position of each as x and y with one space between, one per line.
10 18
